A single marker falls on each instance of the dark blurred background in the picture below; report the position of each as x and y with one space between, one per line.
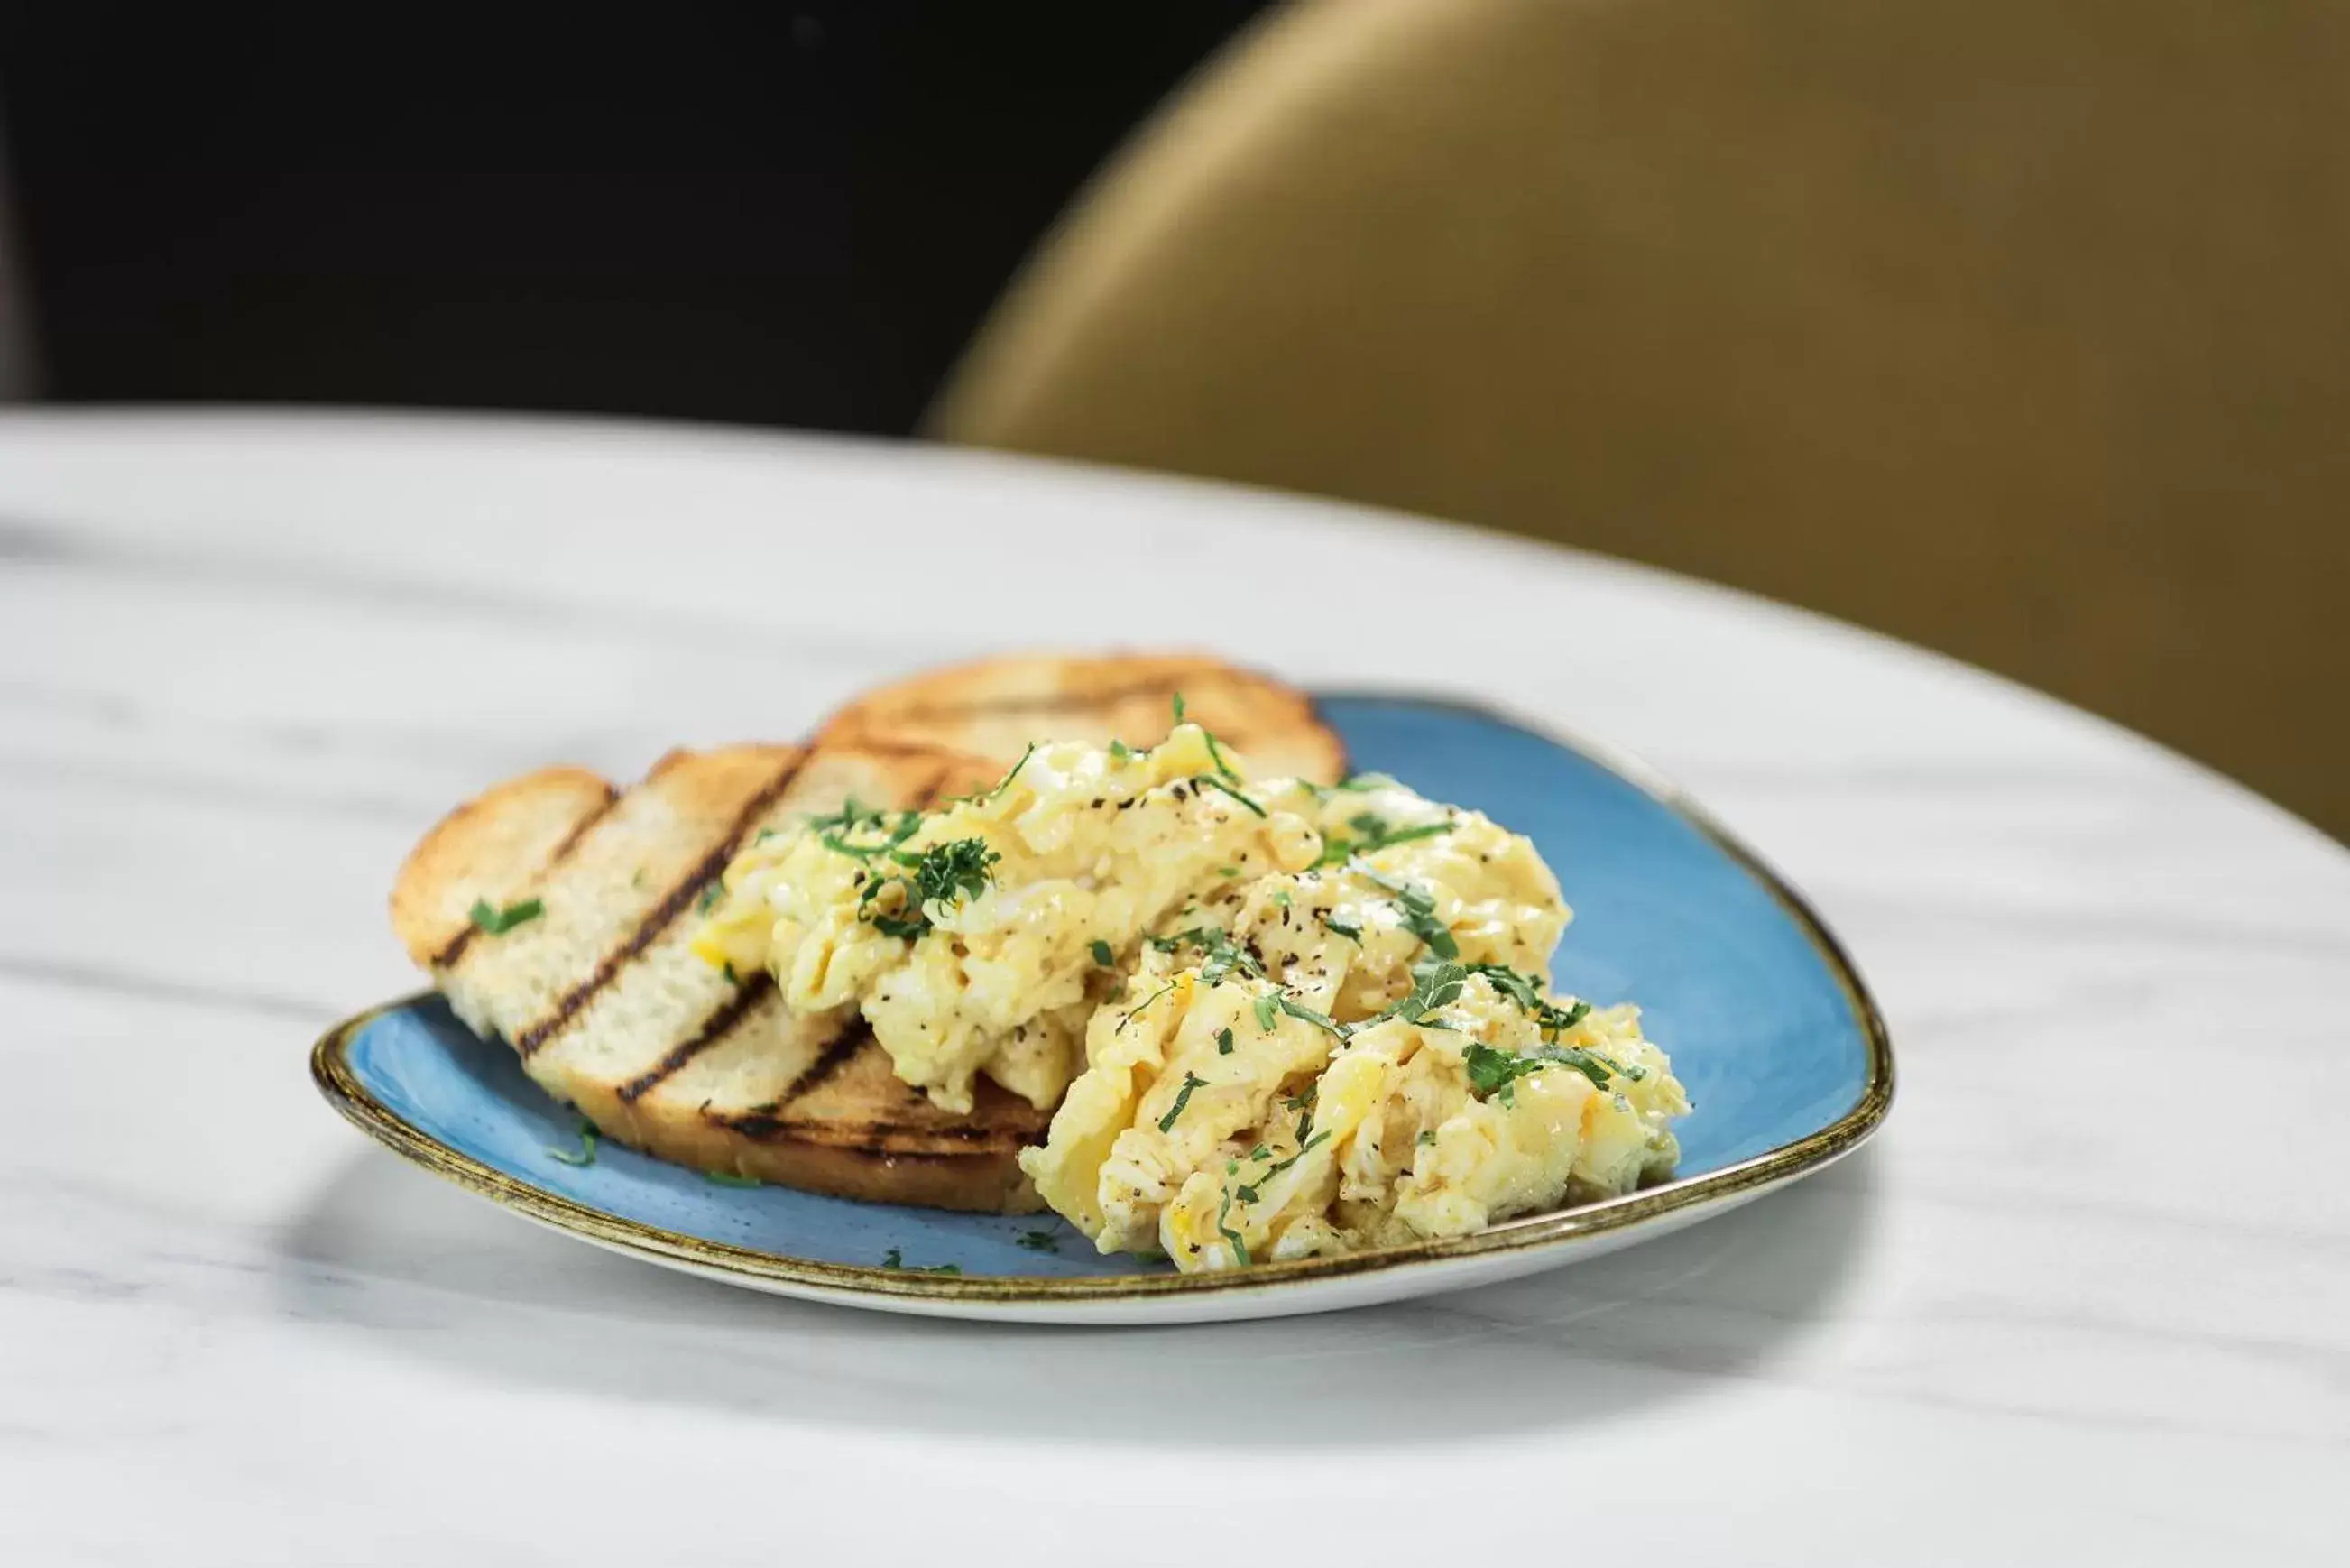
2016 328
787 215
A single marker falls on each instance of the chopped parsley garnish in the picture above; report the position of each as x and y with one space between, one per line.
1182 1097
1374 832
1435 984
1495 1074
1281 896
1224 1041
850 814
727 968
722 1179
1302 1102
1228 870
1419 905
498 922
894 1259
1551 1018
1006 783
1210 781
833 831
1219 954
709 896
1120 751
1305 1014
1145 1001
1102 955
1040 1240
1359 783
1179 707
1304 1148
1352 933
1266 1007
943 874
1427 1139
587 1155
1223 1213
1216 753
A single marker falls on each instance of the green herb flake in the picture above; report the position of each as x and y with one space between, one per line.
1182 1097
1219 954
587 1155
1426 1139
1040 1240
833 831
1266 1007
1179 707
1015 774
1210 781
1224 1041
943 874
1551 1018
1340 927
1281 896
1120 751
498 922
1228 870
1223 1213
1145 1001
1304 1148
1374 832
1102 955
1494 1074
1305 1014
1216 754
1435 984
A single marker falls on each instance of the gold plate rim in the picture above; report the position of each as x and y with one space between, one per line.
330 1070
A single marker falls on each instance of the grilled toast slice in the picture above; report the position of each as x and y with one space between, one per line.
993 708
598 991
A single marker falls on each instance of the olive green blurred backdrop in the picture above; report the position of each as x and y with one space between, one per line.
2017 328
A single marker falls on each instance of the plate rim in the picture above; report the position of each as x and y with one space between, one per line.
331 1072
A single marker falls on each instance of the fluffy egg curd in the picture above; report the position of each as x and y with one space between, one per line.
1279 1019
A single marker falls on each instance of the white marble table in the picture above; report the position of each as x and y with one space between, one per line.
2087 1299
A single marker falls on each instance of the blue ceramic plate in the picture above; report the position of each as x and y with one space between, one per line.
1787 1063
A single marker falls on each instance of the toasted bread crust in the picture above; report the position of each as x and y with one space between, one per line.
489 848
613 1015
994 706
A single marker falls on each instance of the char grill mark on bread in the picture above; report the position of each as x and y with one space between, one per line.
626 878
665 914
490 849
746 996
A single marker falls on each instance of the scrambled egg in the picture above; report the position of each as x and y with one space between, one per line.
1278 1019
980 938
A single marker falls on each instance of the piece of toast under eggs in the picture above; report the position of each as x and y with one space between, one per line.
993 708
611 1012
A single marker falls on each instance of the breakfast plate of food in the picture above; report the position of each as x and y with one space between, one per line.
1133 987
